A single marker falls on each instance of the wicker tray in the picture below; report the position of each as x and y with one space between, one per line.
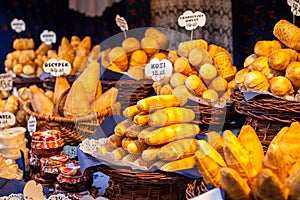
130 91
266 114
267 107
210 117
20 82
128 185
73 131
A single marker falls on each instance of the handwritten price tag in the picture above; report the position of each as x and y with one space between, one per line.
57 68
18 25
158 69
31 124
191 20
121 22
7 118
295 6
49 37
6 82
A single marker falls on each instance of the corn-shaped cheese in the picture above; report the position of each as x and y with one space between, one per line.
126 141
119 153
166 90
141 162
145 132
107 147
136 146
141 119
177 79
115 140
181 164
184 48
151 153
178 149
158 102
131 157
172 115
121 127
170 133
130 112
133 131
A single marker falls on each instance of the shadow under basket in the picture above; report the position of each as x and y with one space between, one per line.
126 184
73 130
266 114
130 91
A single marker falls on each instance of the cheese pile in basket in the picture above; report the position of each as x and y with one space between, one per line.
157 132
238 164
275 64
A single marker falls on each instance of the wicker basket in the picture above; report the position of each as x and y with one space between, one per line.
196 188
130 91
266 114
128 185
73 130
214 118
20 82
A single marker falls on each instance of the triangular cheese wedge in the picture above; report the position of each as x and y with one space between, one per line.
107 99
40 102
89 80
77 103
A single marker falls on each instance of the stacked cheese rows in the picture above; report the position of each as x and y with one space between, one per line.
157 132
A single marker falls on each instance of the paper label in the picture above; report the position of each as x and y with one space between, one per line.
57 68
191 20
295 6
214 194
6 82
31 124
7 118
49 37
121 22
18 25
158 69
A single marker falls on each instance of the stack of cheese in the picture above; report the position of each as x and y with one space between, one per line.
25 60
157 132
274 66
132 56
200 70
238 164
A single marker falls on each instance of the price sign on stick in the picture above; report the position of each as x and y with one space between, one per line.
6 82
191 20
7 118
121 22
18 25
295 8
57 68
31 124
158 69
49 37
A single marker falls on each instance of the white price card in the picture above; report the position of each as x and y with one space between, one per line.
6 81
295 7
7 118
31 124
18 25
214 194
121 22
49 37
158 69
191 20
57 68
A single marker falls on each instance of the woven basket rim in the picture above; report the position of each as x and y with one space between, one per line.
27 108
